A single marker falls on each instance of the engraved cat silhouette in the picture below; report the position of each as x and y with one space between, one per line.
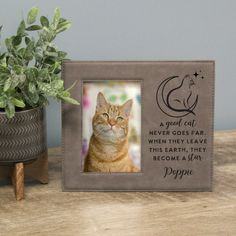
180 100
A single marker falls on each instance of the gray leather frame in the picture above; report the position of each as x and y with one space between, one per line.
151 178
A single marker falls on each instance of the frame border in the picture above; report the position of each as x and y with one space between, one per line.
211 153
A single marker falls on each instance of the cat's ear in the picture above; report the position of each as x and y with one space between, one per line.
101 101
126 107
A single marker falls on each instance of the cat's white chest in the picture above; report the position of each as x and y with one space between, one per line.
109 150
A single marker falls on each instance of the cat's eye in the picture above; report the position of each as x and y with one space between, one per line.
105 115
119 118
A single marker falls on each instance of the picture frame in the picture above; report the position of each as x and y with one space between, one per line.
141 126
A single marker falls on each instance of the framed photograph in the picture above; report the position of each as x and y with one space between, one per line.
141 126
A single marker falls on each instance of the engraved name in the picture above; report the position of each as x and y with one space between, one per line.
177 173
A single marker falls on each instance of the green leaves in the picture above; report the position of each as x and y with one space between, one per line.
27 40
33 93
33 28
51 54
4 70
16 41
63 25
31 73
44 21
7 84
61 55
29 51
17 69
70 100
32 88
8 43
52 89
3 102
10 109
18 102
30 68
2 56
21 29
47 89
10 103
32 15
56 18
57 85
43 74
12 43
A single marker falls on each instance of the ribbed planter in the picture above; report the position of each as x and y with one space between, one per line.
23 138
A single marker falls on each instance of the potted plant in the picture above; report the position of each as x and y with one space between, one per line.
29 74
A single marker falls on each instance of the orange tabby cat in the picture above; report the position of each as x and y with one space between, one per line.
108 147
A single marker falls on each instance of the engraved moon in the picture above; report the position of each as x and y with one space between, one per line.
177 97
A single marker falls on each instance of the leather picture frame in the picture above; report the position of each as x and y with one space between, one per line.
177 123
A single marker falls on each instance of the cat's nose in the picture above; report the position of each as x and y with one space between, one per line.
112 123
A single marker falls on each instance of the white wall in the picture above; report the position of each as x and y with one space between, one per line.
144 30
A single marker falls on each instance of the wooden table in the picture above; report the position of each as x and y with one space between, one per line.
48 211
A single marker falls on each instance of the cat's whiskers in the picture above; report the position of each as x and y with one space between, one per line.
99 130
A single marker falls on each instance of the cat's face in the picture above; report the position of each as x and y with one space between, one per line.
188 81
110 122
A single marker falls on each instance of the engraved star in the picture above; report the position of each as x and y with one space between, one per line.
196 74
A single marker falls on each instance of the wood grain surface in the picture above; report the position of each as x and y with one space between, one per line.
49 211
18 180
